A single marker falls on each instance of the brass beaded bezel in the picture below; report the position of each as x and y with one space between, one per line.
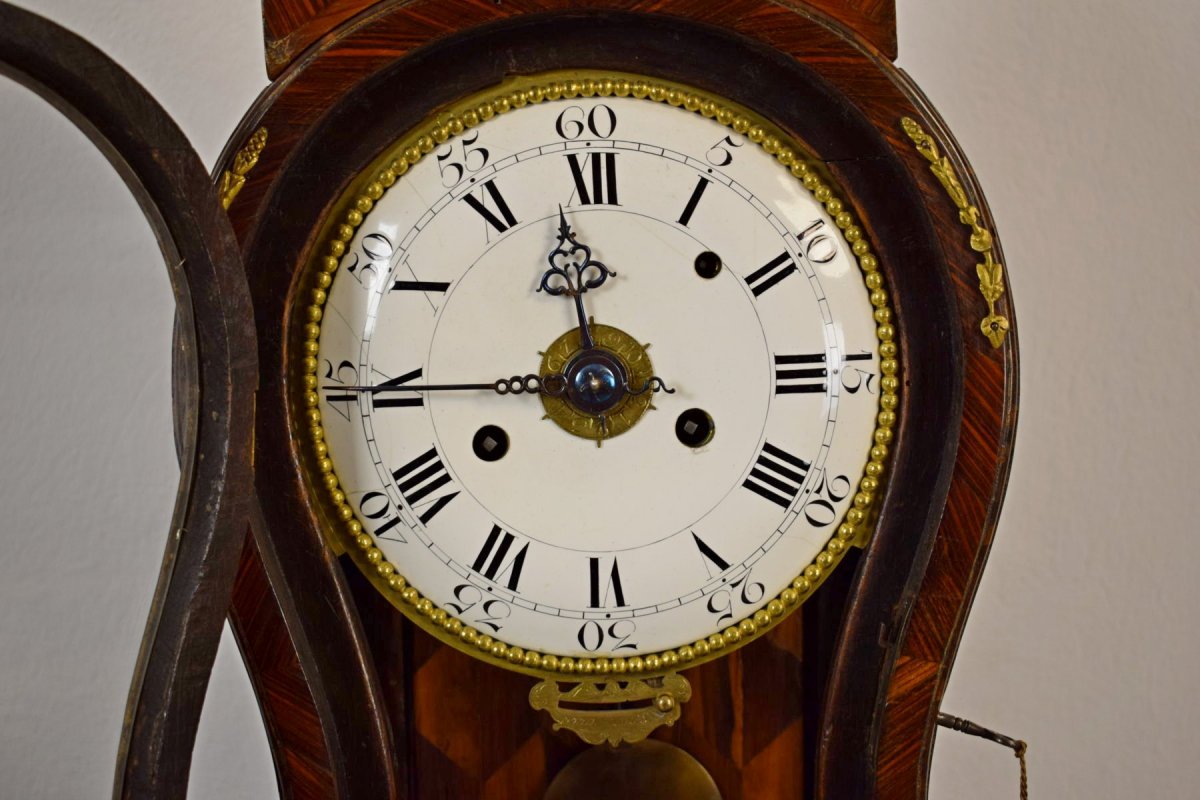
339 229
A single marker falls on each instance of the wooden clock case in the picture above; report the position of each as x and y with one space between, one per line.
841 700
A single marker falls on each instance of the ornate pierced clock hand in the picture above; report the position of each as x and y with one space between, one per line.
568 274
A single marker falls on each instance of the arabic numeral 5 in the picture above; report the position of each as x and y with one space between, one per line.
469 159
819 510
489 612
592 635
721 154
371 259
735 597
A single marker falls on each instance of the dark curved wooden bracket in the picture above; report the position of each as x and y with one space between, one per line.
170 183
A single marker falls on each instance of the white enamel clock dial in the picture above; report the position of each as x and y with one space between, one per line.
682 511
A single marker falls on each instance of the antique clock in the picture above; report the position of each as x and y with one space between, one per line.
636 389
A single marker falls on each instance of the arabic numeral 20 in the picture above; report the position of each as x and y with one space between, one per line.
819 510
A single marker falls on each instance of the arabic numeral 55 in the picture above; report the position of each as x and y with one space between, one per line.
819 510
458 159
735 598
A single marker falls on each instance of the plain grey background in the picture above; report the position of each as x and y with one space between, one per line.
1080 119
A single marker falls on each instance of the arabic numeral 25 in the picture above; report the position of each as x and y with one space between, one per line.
735 597
819 510
458 159
369 262
488 612
592 635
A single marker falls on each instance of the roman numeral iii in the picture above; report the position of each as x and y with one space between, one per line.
420 478
777 475
803 374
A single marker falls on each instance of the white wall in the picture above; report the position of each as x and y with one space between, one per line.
1080 120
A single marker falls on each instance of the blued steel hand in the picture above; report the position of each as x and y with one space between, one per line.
569 274
553 384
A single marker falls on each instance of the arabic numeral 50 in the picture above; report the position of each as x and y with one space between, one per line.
371 259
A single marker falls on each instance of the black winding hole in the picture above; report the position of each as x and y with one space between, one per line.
695 427
708 265
490 443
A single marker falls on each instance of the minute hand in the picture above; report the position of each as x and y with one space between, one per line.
553 384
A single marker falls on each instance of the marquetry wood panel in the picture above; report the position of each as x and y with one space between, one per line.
843 701
291 26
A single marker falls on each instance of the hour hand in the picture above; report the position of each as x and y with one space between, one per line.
572 272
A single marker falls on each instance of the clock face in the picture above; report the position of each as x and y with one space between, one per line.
597 377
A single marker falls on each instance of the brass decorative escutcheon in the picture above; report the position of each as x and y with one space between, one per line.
579 411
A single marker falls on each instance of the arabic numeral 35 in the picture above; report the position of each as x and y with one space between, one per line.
489 612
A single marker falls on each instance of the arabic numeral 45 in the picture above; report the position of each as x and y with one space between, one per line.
819 510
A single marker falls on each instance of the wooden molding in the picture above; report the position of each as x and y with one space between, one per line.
291 26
